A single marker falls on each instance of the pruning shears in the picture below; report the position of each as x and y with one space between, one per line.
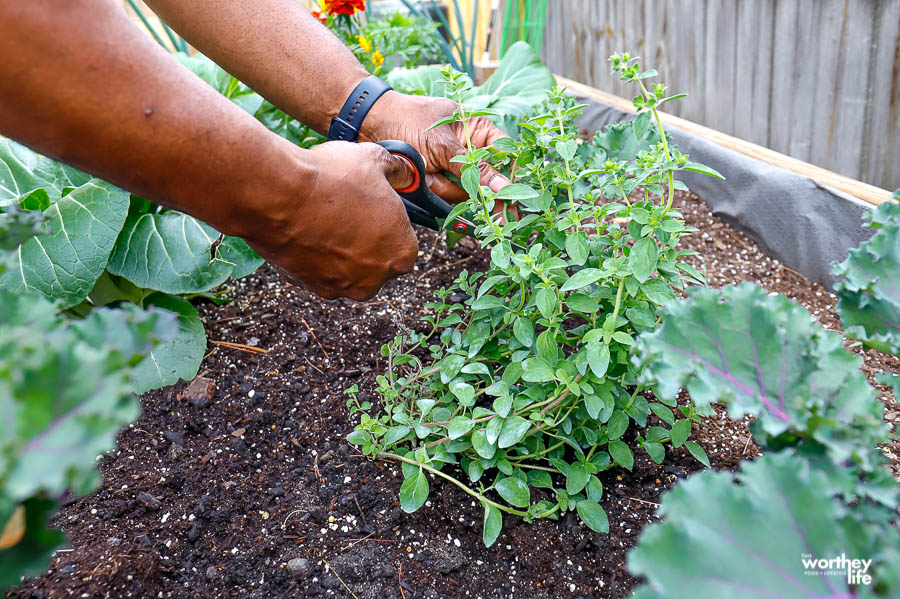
423 206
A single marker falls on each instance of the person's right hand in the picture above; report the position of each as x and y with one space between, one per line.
349 232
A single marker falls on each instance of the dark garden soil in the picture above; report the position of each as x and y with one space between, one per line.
252 492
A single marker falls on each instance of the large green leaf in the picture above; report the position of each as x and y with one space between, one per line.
763 355
869 287
519 83
422 80
23 171
138 334
62 400
173 252
516 86
748 540
179 358
64 264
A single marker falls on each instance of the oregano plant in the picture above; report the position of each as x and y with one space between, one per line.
524 392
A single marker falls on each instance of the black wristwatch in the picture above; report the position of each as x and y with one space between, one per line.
345 126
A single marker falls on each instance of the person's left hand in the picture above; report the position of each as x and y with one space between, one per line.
403 117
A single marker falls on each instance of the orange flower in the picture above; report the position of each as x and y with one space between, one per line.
377 58
341 7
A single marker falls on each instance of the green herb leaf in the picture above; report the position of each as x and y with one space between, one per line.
414 492
493 524
537 370
593 515
577 478
582 278
681 430
698 452
512 431
459 426
643 258
514 491
516 191
618 424
523 329
566 149
656 451
621 454
598 358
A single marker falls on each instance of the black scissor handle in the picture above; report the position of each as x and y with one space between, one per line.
423 206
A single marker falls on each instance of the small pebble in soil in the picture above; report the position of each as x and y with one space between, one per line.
299 566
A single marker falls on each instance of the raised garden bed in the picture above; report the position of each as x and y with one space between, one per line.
217 496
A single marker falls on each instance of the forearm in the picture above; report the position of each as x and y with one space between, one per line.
274 46
99 94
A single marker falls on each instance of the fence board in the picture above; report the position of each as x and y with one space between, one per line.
816 79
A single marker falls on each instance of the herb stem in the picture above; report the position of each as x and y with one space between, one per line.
665 145
393 456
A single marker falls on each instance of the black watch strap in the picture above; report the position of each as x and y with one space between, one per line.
345 126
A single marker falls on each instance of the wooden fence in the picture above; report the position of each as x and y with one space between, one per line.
818 80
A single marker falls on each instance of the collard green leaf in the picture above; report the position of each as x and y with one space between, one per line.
763 355
235 250
716 538
422 80
178 358
519 83
23 171
624 140
172 252
868 289
64 264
